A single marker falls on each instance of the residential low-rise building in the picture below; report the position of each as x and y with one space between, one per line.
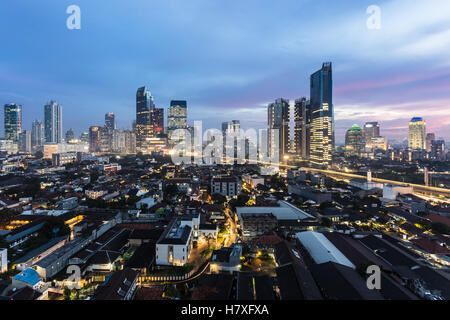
226 259
229 186
175 244
60 159
120 286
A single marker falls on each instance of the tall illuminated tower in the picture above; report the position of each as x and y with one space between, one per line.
322 117
144 127
278 119
416 139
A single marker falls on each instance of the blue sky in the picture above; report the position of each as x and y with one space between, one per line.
228 59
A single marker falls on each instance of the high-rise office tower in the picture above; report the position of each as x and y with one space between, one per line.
84 137
231 128
278 119
110 121
94 138
37 134
301 127
70 135
322 117
144 127
438 149
176 116
371 130
416 139
157 119
124 142
25 141
354 141
13 121
430 137
105 139
53 122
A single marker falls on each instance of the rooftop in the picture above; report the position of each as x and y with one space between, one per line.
29 276
321 249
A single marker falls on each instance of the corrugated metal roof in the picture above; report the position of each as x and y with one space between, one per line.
321 249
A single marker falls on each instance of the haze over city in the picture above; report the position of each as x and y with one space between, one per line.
225 65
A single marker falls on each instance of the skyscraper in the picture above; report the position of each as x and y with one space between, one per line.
94 138
371 130
322 117
157 119
25 141
438 149
13 121
53 122
144 127
233 128
70 135
37 134
301 127
278 119
176 116
429 139
354 141
416 139
110 121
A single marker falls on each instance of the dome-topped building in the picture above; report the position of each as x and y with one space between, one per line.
354 141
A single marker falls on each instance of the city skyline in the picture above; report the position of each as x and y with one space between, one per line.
219 86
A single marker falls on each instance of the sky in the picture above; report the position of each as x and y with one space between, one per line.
228 59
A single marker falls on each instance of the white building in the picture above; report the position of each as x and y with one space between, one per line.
175 244
285 211
149 201
392 191
253 180
321 249
3 260
364 184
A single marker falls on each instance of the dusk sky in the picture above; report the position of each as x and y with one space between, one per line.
228 59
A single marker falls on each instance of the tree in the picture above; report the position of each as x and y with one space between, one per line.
94 176
326 222
6 215
39 155
54 227
217 198
170 191
171 291
325 205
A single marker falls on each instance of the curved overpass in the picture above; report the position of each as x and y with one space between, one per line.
417 187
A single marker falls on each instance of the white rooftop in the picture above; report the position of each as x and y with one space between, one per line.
321 249
285 211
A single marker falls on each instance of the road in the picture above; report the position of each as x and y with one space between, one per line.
416 187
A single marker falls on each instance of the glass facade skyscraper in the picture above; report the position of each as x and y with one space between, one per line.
322 117
278 119
301 127
13 121
53 122
144 127
37 134
176 116
110 121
